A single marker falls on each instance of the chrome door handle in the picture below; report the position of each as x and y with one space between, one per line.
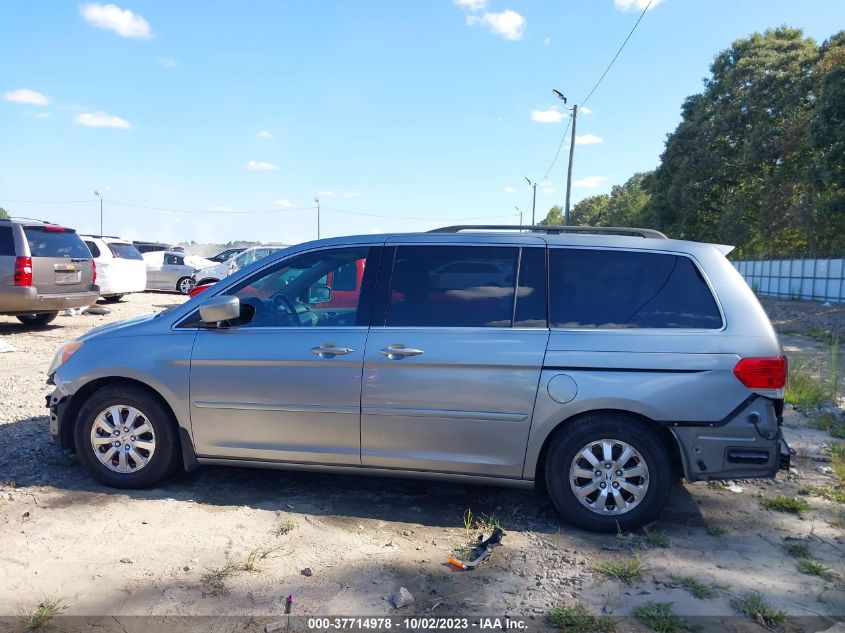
330 350
397 351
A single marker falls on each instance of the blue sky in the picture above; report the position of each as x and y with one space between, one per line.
398 108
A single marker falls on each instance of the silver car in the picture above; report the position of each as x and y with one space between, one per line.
167 270
603 364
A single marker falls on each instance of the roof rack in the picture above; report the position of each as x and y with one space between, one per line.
20 217
554 229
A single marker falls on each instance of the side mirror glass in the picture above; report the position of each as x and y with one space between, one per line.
218 309
319 294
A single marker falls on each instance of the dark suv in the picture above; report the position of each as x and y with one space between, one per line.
44 268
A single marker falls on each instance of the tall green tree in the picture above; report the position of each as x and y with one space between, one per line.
3 213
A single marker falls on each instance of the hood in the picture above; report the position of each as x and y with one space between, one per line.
117 325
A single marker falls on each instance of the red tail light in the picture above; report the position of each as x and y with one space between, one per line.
94 269
54 228
762 373
23 271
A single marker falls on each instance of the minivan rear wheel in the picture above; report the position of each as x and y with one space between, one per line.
607 472
37 320
125 438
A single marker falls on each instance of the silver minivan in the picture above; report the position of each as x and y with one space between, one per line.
601 364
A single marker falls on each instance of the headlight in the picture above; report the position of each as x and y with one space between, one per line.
62 355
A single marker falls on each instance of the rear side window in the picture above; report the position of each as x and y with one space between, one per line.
451 286
627 289
123 251
7 241
95 251
44 243
173 260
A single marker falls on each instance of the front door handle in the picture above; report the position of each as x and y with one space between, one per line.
330 350
398 351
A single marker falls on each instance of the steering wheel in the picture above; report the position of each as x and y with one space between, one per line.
285 310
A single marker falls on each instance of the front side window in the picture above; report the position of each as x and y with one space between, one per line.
303 291
452 286
614 289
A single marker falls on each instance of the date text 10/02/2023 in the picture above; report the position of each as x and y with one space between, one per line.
414 623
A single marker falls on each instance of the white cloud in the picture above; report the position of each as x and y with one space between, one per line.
639 5
168 62
260 165
552 115
326 194
548 190
471 5
351 194
27 96
588 139
112 18
590 182
102 119
509 24
584 110
509 190
264 134
221 208
547 41
284 202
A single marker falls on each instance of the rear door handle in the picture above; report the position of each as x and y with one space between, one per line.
330 350
397 351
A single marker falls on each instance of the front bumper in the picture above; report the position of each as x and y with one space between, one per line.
57 403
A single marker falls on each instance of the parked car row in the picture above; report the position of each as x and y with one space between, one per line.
45 268
206 277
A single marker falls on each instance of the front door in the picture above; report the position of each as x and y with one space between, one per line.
285 383
451 371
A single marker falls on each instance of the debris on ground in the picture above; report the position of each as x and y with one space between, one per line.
401 598
6 347
482 551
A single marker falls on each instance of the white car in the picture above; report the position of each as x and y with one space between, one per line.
120 267
215 272
172 270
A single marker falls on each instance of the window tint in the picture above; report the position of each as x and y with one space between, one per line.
452 286
174 260
55 243
123 251
625 289
7 241
95 252
304 291
531 308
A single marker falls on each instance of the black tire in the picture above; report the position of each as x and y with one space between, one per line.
112 298
184 285
570 440
165 457
37 320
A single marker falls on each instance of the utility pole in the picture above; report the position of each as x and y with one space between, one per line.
317 200
569 169
100 196
520 215
533 185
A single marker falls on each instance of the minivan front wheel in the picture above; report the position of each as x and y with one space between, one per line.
37 320
607 472
125 438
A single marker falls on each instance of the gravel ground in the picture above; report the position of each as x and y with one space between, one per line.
182 548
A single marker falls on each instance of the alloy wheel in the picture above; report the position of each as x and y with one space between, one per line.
609 477
123 439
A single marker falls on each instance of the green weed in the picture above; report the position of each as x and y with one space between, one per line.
783 503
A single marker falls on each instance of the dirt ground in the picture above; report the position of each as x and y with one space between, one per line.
184 548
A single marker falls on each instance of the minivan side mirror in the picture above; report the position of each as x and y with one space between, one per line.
218 309
319 294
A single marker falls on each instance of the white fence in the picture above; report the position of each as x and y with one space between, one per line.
815 279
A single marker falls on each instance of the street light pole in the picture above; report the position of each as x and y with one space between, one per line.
317 200
520 215
533 185
100 196
574 110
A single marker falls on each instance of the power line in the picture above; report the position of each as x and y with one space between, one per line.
209 211
559 147
612 61
46 201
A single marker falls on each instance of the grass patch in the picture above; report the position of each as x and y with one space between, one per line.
487 523
40 617
658 616
578 619
830 493
625 570
815 568
714 529
215 580
717 485
797 548
837 462
813 382
285 527
830 423
698 589
755 607
656 538
783 503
